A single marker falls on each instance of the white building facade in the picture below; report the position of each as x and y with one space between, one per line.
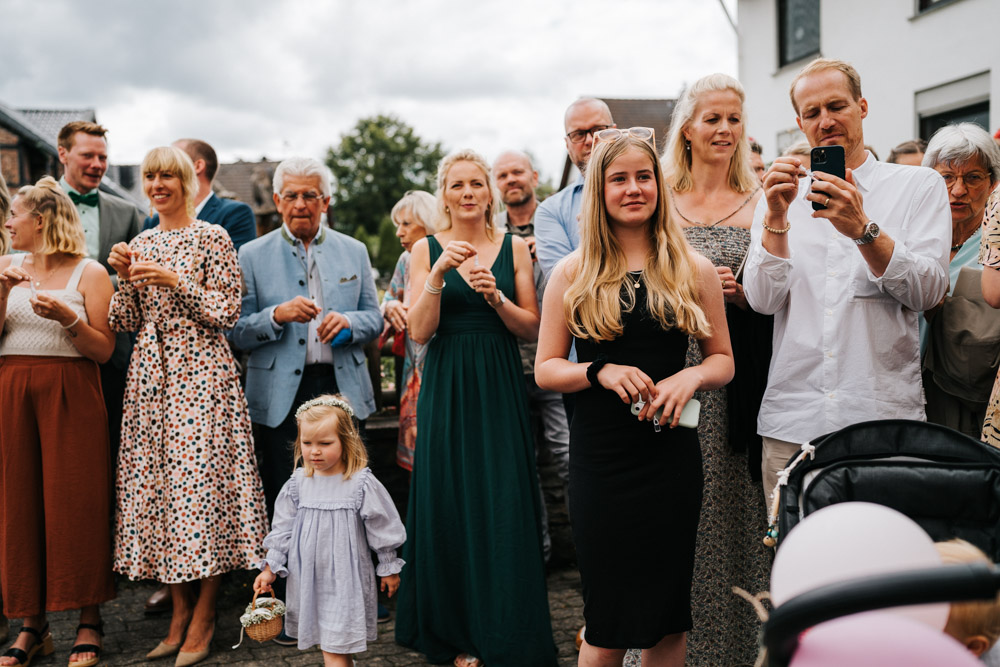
923 63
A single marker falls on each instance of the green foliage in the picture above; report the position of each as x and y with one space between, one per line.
388 248
373 166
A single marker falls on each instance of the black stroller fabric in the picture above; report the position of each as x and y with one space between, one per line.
945 481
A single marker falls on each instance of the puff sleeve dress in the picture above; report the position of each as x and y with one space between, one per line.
324 527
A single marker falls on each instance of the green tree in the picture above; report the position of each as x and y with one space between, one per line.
373 166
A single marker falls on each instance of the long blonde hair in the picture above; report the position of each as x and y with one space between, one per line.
324 408
4 214
594 302
677 157
62 231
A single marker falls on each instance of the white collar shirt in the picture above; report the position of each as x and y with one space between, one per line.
201 204
846 343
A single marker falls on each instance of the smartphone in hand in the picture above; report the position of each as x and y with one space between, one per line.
829 160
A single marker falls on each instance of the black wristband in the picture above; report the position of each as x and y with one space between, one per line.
595 367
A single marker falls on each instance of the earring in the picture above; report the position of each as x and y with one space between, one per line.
447 210
687 144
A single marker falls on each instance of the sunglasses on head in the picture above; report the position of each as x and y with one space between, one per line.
615 133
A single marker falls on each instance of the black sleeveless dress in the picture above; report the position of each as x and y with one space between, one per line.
634 496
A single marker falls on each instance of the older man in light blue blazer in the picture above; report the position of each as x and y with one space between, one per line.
308 309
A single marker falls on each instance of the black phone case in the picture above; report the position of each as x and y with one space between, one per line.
829 160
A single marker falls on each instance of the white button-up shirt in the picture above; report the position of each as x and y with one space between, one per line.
846 343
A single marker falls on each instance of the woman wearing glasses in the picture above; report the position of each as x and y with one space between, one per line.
969 162
190 502
713 192
629 297
476 582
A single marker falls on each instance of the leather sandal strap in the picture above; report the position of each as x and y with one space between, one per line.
97 627
85 648
37 633
17 654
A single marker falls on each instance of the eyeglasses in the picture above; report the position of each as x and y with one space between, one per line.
307 197
579 136
614 134
973 179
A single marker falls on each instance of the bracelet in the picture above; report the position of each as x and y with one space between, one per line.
72 324
595 367
778 231
430 289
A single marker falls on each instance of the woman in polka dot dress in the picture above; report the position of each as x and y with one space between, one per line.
190 501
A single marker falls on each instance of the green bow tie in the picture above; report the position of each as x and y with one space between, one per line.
89 199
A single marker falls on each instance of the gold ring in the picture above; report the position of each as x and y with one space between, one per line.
827 202
723 283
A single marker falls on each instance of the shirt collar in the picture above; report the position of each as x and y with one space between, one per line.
64 184
201 204
286 234
864 176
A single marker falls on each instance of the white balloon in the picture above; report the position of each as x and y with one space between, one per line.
851 540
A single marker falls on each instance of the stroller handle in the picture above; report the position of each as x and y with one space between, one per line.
974 581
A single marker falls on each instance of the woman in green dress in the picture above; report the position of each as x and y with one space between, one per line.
476 593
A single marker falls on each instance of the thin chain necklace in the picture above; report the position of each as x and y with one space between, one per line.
39 281
635 276
956 248
717 222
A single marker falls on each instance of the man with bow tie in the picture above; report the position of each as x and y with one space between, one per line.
106 220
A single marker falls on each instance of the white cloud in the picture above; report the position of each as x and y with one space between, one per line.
279 78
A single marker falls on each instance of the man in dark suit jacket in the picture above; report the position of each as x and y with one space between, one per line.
235 217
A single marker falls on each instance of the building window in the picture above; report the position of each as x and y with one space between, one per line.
798 30
974 113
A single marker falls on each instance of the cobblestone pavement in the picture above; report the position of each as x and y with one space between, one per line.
131 634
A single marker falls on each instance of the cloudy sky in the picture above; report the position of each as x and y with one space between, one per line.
288 77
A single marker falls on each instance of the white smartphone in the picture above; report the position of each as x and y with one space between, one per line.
689 415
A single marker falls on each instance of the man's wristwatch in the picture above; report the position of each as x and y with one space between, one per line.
871 233
501 301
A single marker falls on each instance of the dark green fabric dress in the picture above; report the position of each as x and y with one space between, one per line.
474 580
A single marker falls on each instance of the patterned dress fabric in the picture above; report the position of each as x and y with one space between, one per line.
989 257
729 550
190 501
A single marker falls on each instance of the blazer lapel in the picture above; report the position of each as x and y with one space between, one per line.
104 224
211 209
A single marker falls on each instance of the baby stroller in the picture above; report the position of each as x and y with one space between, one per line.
946 482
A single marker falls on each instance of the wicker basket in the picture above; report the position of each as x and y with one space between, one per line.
264 630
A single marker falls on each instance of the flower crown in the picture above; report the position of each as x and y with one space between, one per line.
330 401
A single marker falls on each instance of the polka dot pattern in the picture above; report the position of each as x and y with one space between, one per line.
190 500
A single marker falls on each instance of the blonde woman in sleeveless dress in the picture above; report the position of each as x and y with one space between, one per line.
55 466
713 192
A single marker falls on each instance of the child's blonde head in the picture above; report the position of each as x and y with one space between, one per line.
335 408
976 624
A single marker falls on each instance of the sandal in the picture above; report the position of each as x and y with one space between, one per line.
87 648
42 642
466 660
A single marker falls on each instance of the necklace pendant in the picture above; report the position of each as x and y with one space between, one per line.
636 283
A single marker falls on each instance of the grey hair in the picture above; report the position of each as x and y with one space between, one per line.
421 205
303 167
957 144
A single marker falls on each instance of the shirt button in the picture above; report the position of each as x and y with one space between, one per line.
302 341
831 395
829 311
302 282
298 371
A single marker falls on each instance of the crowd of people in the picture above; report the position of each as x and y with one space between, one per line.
668 331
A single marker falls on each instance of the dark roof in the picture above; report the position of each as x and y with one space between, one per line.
654 113
237 180
22 126
50 121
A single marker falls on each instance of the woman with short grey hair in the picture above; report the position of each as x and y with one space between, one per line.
969 161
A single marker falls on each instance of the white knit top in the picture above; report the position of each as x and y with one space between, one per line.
24 332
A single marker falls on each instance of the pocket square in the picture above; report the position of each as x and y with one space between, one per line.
347 280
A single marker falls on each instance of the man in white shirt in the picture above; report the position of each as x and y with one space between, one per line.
844 283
